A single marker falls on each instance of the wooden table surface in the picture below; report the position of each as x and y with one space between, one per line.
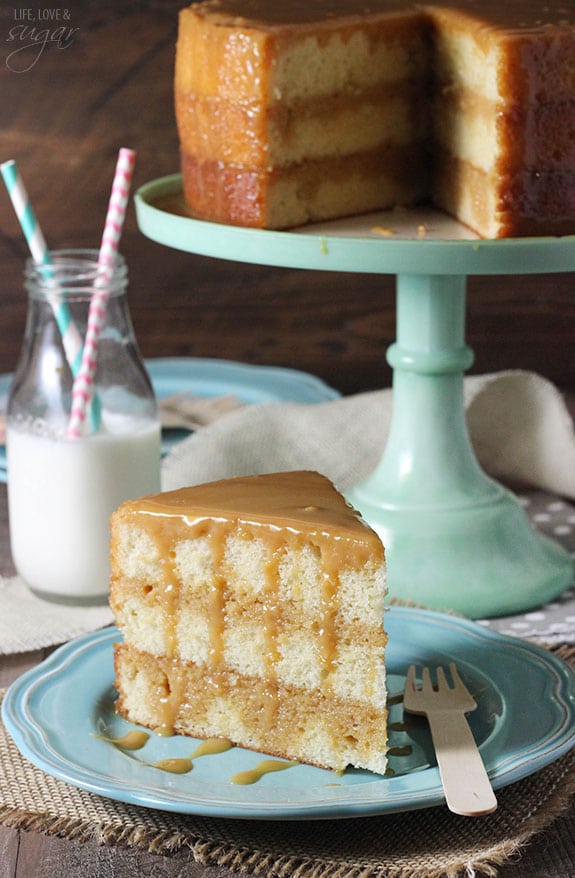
77 86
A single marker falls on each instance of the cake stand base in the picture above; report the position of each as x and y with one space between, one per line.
481 561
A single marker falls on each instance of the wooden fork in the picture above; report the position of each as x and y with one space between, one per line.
467 787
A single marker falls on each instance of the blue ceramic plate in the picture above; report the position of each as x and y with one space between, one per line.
251 384
525 719
211 378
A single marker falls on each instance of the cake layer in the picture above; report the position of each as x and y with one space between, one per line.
313 727
250 134
308 191
272 57
541 138
517 51
278 510
533 203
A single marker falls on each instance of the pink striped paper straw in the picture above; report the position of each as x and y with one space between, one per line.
83 389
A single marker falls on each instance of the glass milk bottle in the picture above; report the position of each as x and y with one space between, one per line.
62 490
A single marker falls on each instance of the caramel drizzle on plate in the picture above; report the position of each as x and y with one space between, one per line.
133 740
136 739
185 764
252 775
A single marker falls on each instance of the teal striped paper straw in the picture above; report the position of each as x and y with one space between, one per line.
71 338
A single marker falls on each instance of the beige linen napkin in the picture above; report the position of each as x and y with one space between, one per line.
518 422
28 622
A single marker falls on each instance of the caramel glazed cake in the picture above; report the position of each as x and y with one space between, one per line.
252 609
306 110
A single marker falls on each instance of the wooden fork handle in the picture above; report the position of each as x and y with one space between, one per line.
467 788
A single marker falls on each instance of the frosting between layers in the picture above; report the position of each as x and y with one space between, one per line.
307 191
279 134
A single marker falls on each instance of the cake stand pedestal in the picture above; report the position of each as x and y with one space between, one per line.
455 538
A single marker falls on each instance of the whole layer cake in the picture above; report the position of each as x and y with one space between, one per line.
302 111
252 609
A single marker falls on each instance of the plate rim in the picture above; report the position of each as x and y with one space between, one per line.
29 738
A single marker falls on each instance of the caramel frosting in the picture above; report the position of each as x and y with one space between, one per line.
514 15
263 14
300 501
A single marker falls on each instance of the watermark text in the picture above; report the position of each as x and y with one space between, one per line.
33 31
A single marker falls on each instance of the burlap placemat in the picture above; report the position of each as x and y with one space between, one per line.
431 843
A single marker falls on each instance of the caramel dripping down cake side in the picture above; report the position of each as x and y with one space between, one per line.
252 609
296 112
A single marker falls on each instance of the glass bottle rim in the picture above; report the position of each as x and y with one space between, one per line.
75 272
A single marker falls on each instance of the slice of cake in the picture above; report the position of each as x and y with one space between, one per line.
252 609
295 112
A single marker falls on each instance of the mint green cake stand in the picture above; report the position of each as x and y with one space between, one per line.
455 538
